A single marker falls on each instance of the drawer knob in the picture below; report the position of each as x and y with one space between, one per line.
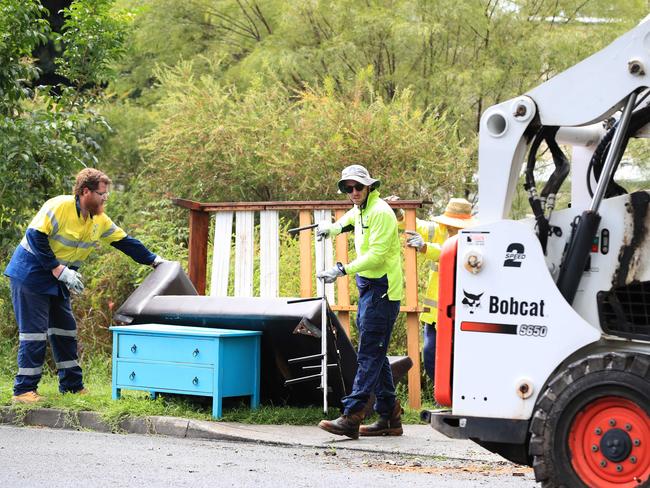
195 381
134 348
132 375
195 353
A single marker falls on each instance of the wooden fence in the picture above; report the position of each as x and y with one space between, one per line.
244 215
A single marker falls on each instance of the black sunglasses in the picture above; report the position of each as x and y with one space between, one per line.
349 188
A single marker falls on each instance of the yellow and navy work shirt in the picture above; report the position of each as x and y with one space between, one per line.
434 235
376 241
59 234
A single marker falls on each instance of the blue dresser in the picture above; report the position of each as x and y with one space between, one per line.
187 360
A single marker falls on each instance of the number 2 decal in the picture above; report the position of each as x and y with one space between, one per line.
515 253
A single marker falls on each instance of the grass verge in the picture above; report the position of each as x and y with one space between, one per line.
97 379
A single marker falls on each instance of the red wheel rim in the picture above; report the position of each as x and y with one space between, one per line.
612 417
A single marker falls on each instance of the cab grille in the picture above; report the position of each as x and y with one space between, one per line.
625 311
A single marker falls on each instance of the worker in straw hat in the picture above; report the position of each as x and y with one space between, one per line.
427 239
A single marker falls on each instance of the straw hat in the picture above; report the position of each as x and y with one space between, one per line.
358 173
458 213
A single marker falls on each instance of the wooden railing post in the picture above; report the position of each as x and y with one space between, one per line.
306 271
412 323
198 249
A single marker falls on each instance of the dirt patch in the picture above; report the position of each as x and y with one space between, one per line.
486 470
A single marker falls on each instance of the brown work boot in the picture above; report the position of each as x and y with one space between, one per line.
385 425
347 425
83 391
27 397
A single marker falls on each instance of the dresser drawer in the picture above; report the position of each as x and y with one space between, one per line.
188 379
165 348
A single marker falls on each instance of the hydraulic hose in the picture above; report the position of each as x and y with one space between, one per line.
577 253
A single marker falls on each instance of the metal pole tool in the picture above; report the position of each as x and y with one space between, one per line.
324 328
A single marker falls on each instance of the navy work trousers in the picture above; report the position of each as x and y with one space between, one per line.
429 350
375 320
41 317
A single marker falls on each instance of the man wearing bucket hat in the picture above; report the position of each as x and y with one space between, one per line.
428 239
378 270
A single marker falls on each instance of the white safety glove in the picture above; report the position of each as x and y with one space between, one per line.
325 230
330 275
157 261
72 280
415 240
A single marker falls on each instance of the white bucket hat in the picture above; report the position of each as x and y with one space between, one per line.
358 173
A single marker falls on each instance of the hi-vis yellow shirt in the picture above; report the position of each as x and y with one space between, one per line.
376 241
434 235
71 237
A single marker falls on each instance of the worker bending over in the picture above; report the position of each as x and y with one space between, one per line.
43 272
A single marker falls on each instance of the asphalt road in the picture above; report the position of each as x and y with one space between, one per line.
36 457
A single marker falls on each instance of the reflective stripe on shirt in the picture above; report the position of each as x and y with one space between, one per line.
71 243
109 231
69 264
55 222
25 244
430 302
432 230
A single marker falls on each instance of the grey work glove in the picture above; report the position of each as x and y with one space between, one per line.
414 240
72 280
329 275
157 261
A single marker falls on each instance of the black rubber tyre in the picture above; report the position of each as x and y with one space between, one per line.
562 417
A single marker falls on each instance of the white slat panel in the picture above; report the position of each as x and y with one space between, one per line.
221 254
244 242
319 216
269 253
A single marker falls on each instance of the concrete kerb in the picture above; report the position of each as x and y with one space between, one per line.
418 440
61 419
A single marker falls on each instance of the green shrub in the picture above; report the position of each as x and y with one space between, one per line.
217 143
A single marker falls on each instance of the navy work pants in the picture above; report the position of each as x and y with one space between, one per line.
41 317
375 320
429 350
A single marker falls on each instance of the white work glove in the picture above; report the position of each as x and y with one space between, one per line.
415 240
157 261
325 230
72 280
330 275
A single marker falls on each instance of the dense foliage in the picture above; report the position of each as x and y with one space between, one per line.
266 143
46 133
